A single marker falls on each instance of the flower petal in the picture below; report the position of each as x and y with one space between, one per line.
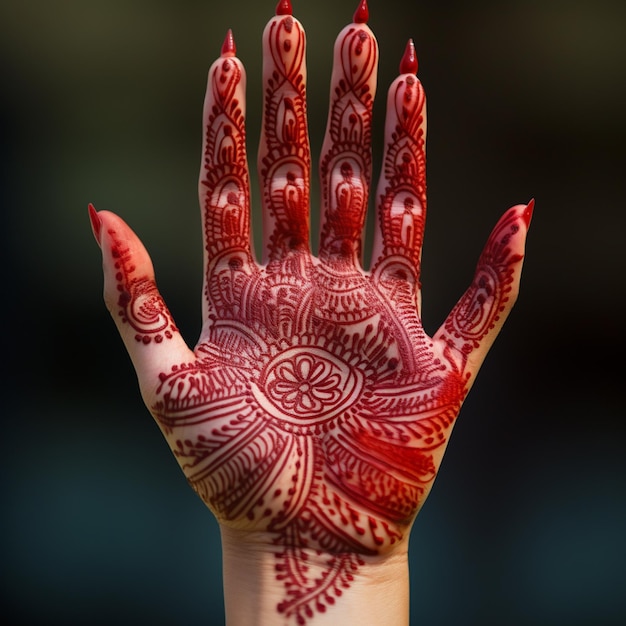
303 366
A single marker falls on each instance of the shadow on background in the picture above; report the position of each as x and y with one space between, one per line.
101 103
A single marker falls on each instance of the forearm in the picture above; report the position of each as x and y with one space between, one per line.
262 588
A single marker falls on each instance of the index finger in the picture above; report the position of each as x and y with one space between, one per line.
346 161
224 185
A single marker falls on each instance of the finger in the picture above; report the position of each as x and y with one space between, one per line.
346 159
401 190
224 185
284 159
131 295
473 324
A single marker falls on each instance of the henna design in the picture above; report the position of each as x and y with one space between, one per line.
346 162
224 173
315 409
139 303
224 182
284 154
478 311
323 435
402 204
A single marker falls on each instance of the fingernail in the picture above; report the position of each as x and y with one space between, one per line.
362 14
228 47
528 212
408 65
96 223
284 8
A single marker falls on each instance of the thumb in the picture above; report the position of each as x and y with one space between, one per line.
476 319
131 296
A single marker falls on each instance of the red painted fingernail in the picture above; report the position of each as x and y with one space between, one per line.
284 7
229 49
362 14
96 222
408 65
528 212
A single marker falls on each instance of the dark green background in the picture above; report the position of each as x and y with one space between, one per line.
101 102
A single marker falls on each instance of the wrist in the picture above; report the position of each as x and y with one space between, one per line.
267 583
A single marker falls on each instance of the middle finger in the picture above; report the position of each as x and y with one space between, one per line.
284 160
346 161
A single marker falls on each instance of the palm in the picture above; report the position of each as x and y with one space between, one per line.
311 404
314 411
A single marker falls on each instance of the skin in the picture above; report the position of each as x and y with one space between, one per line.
313 413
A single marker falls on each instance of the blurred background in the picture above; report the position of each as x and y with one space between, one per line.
101 102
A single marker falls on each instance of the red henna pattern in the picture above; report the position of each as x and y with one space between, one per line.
317 419
284 155
317 409
482 304
317 406
403 204
345 168
224 173
225 184
140 304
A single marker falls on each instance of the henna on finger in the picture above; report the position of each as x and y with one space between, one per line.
134 301
402 188
284 159
224 186
315 411
346 161
474 322
143 320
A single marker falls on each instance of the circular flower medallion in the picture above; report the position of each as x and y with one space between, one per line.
307 386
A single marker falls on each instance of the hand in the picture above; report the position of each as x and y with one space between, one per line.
314 411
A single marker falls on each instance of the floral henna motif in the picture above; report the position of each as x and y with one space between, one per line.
317 407
323 438
315 410
308 385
